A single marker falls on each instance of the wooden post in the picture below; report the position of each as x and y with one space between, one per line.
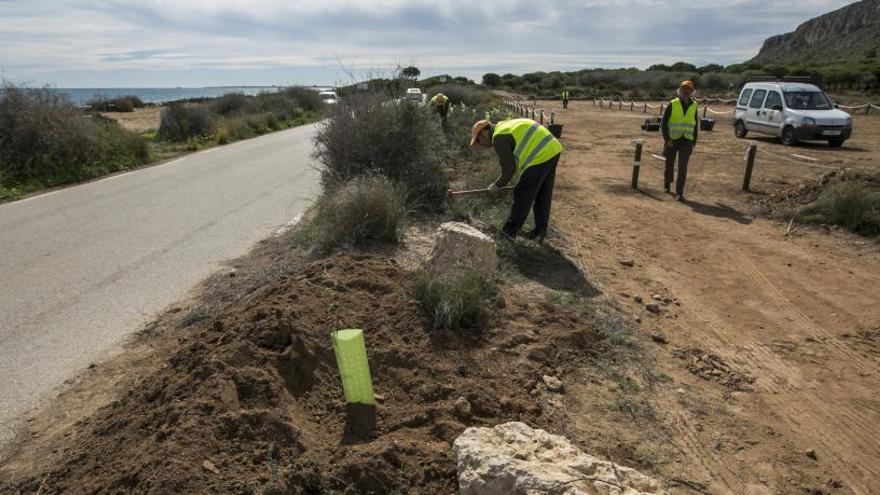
637 162
552 118
541 118
750 165
662 108
620 105
533 113
704 111
646 108
632 105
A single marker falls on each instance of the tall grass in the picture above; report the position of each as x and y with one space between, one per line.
849 204
363 210
454 300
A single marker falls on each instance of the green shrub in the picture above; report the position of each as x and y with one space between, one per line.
363 210
459 93
45 140
181 122
306 99
849 204
232 103
370 134
122 104
455 300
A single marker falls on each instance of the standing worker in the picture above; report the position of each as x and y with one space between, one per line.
565 99
440 104
527 148
680 129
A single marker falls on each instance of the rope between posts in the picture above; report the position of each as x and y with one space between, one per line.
720 113
800 162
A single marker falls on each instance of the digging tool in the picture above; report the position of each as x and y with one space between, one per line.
453 194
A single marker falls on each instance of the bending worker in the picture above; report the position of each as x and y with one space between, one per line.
680 129
527 148
440 104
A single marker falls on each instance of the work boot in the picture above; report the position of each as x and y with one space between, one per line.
534 235
666 189
679 197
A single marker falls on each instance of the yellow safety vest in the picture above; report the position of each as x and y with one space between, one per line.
565 95
682 125
534 143
439 99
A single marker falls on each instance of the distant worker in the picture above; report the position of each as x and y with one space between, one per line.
565 99
440 104
680 129
527 148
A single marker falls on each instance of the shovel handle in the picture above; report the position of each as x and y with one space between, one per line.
453 194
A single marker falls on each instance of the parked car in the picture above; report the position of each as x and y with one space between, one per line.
791 111
329 97
415 94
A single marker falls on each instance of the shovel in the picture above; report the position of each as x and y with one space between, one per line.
453 194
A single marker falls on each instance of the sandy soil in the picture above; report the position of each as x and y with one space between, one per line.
141 120
796 316
759 375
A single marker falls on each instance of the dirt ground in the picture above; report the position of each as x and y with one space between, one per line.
794 318
141 120
759 374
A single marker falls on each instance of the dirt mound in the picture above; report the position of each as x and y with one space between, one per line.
252 403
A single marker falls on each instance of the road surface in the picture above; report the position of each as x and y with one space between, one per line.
84 267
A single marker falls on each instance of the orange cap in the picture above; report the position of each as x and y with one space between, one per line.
477 129
687 84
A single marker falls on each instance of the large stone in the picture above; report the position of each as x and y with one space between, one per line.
514 459
459 245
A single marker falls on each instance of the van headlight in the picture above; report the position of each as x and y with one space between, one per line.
808 122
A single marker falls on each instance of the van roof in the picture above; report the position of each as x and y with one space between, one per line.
784 86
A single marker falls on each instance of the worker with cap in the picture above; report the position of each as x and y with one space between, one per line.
440 104
680 129
527 148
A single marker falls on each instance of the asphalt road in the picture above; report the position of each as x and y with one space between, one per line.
81 268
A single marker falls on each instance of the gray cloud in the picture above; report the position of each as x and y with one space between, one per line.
265 42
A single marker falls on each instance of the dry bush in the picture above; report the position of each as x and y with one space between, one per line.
370 134
849 204
454 300
181 122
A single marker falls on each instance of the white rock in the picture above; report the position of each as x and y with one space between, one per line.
459 245
553 384
515 459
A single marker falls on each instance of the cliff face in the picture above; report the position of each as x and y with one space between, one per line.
848 33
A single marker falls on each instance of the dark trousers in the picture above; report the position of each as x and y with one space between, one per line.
564 103
535 188
682 148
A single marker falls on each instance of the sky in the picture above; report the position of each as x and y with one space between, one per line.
193 43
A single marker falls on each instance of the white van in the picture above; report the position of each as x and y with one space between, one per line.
791 111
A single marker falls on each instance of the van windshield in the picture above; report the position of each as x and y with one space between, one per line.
806 100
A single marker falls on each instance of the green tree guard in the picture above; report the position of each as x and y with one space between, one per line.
351 358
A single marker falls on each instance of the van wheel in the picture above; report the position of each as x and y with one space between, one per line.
740 129
835 143
788 137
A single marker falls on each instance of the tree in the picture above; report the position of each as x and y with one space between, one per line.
683 67
411 72
492 80
710 68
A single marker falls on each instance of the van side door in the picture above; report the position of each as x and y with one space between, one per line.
755 111
773 113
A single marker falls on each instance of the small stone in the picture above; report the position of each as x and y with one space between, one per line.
638 319
812 454
653 308
379 397
629 263
209 466
638 299
656 297
463 408
659 338
553 384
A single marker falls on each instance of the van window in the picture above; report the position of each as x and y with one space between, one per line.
773 98
807 100
757 98
744 98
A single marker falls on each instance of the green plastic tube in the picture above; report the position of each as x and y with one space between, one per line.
351 358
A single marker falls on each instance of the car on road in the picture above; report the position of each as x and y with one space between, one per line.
415 94
329 97
791 111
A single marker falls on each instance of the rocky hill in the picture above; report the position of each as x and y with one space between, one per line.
852 32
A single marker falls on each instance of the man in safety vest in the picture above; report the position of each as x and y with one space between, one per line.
527 148
680 128
440 104
565 99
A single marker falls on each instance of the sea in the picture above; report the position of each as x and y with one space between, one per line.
81 96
